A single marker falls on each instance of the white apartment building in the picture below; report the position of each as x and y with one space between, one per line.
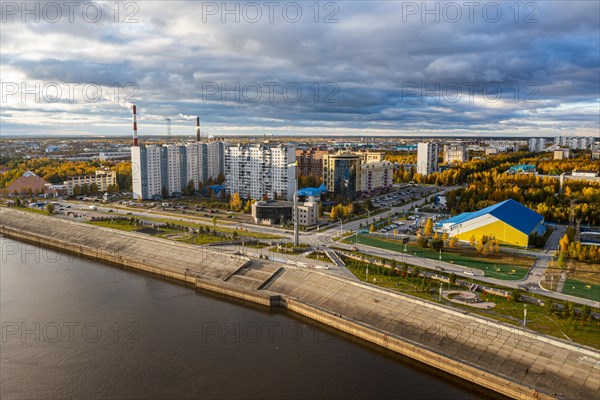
537 145
215 154
455 153
176 168
256 171
427 158
171 167
146 171
574 142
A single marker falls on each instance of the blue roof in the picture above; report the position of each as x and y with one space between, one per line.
314 192
510 211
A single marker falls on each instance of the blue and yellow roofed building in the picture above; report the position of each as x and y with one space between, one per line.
509 222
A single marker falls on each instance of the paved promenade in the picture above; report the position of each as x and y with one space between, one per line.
499 356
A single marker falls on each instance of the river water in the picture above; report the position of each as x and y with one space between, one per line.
81 329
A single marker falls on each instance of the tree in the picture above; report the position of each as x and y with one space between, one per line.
452 278
50 208
214 220
428 231
570 310
248 206
586 311
515 295
549 306
437 244
190 188
453 243
94 188
422 241
236 202
561 262
445 236
479 246
165 192
564 244
472 240
372 228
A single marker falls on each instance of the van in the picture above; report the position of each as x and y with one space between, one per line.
94 208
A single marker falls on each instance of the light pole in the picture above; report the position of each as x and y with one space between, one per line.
296 238
440 254
524 315
441 292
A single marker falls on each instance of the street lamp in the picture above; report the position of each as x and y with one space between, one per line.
295 213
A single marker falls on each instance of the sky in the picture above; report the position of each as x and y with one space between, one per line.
344 68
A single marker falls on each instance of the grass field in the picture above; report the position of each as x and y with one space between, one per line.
165 233
121 225
578 288
256 235
505 267
511 312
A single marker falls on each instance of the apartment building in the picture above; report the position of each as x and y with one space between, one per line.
260 172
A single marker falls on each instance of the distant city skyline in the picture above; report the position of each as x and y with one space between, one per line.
347 69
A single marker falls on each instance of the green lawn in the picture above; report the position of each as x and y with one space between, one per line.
499 269
511 312
577 288
257 235
165 233
121 225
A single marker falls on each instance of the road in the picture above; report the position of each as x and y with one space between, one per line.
325 239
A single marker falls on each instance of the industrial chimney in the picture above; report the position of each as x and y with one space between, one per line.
197 129
135 136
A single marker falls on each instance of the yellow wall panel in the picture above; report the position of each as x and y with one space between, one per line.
504 233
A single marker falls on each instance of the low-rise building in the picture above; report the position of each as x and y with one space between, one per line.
561 154
27 184
103 179
522 169
282 212
489 151
585 176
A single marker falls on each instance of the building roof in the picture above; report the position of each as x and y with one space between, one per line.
510 211
314 192
27 181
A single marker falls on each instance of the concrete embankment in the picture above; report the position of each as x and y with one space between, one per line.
503 358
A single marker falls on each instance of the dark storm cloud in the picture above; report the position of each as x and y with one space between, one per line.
389 69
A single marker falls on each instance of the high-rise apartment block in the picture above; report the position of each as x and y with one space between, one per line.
427 158
537 145
157 169
310 162
574 142
260 172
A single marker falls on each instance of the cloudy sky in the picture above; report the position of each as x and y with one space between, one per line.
330 68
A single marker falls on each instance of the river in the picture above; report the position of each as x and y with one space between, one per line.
81 329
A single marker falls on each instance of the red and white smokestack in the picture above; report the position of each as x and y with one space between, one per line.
135 136
197 129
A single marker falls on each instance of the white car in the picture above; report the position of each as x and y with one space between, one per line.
469 273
